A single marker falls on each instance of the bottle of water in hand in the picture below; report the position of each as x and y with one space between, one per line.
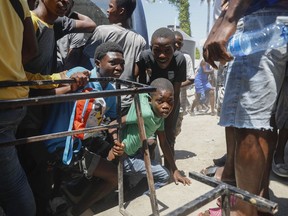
272 36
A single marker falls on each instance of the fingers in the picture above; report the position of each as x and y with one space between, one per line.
81 78
216 52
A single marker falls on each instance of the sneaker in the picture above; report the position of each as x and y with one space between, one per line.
280 169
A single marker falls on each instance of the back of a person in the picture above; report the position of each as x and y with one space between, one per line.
201 77
16 197
11 36
131 42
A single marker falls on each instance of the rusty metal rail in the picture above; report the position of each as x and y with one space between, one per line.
224 190
131 88
220 188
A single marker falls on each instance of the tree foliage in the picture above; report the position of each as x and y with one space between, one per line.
184 15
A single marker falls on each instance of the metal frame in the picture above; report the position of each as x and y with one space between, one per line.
221 188
224 190
134 89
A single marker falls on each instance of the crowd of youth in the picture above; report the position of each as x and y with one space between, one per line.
52 46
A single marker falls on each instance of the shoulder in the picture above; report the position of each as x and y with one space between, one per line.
146 54
25 8
187 57
179 57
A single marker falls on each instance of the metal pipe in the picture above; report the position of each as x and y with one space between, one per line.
198 202
8 83
56 135
147 161
260 202
5 104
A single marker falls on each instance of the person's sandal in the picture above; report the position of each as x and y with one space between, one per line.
209 171
212 212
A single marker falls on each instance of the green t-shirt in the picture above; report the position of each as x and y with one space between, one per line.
152 123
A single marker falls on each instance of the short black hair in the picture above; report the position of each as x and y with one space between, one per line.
163 33
178 33
104 48
162 84
129 6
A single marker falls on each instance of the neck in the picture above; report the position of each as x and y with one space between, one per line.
43 14
123 23
102 83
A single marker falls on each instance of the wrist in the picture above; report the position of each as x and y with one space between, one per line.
63 75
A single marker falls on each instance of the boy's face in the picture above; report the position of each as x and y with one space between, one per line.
57 7
111 65
178 42
113 12
163 50
162 103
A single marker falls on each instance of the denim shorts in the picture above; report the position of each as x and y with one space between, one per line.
253 82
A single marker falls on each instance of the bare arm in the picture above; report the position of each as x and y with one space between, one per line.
83 23
177 86
167 152
188 82
29 45
214 48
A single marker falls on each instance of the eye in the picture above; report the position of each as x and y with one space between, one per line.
159 101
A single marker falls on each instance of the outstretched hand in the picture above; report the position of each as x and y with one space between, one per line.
179 178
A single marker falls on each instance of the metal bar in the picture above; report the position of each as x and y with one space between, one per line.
120 164
124 212
56 135
4 104
147 161
198 202
64 81
260 202
225 202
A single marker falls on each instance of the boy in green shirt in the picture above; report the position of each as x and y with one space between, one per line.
155 107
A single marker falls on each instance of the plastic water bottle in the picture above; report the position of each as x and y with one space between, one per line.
272 36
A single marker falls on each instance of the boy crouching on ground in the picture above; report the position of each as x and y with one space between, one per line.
155 107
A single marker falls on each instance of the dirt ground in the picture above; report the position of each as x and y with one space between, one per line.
200 141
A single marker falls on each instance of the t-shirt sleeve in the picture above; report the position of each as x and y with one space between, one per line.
64 25
143 64
131 117
77 40
189 67
25 8
141 49
181 68
93 42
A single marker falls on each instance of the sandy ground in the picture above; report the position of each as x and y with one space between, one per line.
200 141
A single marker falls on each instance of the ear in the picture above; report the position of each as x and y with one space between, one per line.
149 98
122 11
97 63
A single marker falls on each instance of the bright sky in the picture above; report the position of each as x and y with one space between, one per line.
161 14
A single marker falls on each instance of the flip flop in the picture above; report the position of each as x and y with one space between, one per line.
209 171
212 212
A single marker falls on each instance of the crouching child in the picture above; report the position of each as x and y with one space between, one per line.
155 107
